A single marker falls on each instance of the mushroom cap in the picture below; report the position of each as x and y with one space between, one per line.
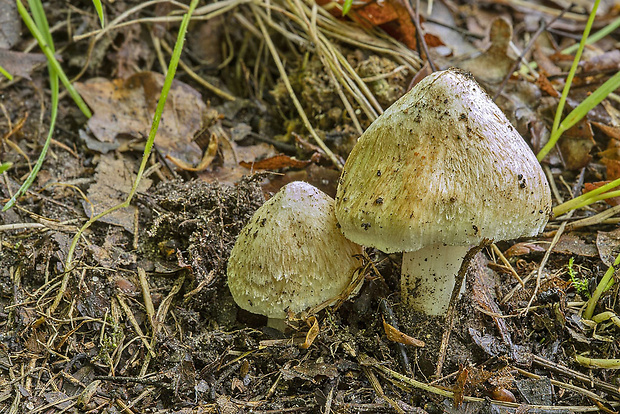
291 254
442 165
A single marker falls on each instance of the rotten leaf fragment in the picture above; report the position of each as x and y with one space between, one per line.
127 106
608 244
19 63
395 335
493 65
576 144
113 180
10 24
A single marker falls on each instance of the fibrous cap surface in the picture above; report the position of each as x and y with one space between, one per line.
442 165
291 254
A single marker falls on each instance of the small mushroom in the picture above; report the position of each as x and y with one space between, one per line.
291 255
450 171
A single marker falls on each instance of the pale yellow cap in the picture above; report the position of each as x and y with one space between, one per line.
291 254
442 165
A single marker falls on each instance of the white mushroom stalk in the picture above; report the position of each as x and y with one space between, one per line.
428 277
441 170
291 255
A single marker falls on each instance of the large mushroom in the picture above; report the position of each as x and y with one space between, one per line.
291 255
441 170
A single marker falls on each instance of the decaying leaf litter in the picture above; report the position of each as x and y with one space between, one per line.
278 92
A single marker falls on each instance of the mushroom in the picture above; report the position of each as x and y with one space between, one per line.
441 170
291 255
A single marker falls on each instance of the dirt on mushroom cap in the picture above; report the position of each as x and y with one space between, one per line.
443 165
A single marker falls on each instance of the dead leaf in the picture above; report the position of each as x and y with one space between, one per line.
207 157
608 61
127 107
572 244
113 180
395 335
546 86
226 169
323 178
10 25
610 131
18 63
389 15
459 389
576 144
313 332
608 245
521 249
613 201
612 170
492 65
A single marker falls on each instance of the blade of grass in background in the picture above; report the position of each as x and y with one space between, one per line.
40 21
38 26
99 8
172 68
346 7
569 80
581 111
5 73
606 282
5 166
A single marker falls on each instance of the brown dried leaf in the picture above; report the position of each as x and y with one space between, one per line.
608 61
521 249
459 389
608 244
493 65
395 335
546 86
127 107
571 244
226 169
576 144
610 131
313 332
18 63
613 201
113 180
612 168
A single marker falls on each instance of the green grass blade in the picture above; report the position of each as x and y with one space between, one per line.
5 73
590 102
610 28
99 8
174 62
605 283
346 7
51 59
5 166
41 22
569 80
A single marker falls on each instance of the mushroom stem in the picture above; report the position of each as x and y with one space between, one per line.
428 276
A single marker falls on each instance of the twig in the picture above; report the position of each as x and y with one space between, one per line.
575 375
